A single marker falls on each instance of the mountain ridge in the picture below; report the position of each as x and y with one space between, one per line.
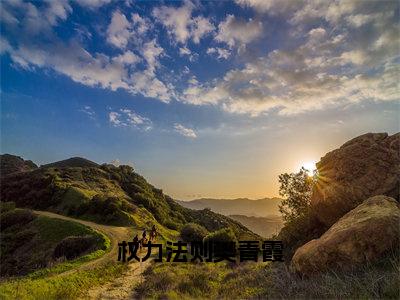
264 207
106 194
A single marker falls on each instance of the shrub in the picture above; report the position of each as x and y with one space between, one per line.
222 235
193 232
299 231
16 216
74 246
6 206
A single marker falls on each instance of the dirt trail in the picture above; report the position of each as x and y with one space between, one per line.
121 287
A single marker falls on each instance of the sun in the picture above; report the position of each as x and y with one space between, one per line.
309 165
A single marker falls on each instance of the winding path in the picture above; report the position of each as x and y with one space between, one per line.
121 287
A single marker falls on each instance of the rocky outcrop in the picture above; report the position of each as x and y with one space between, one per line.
363 235
363 167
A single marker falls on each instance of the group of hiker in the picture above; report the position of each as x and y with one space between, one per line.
145 238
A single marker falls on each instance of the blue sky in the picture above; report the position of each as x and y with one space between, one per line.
205 99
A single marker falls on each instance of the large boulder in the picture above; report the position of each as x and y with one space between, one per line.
364 234
363 167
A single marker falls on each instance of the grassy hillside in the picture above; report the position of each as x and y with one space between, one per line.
268 281
105 194
30 242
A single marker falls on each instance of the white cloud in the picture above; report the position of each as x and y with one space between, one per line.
113 117
219 52
184 51
141 24
200 26
179 23
129 118
4 45
127 58
35 20
118 32
151 52
328 69
349 57
234 31
187 132
186 70
122 31
92 4
88 111
271 6
356 57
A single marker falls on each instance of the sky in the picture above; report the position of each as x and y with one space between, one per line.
204 99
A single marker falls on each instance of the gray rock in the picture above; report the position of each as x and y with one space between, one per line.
363 235
363 167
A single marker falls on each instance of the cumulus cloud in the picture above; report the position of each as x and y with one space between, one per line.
127 58
70 58
179 22
187 132
271 6
235 31
128 118
336 53
92 4
200 26
122 30
219 52
35 20
331 66
118 31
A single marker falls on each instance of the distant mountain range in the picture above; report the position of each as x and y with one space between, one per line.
265 207
261 216
265 227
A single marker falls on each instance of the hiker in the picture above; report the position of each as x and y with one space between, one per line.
153 233
144 234
136 240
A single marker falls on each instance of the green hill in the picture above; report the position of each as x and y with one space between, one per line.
105 194
30 242
10 164
71 163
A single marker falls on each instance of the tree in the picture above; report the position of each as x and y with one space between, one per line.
221 235
296 188
193 232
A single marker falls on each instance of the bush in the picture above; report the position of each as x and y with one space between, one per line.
6 206
193 232
74 246
299 231
222 235
16 216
